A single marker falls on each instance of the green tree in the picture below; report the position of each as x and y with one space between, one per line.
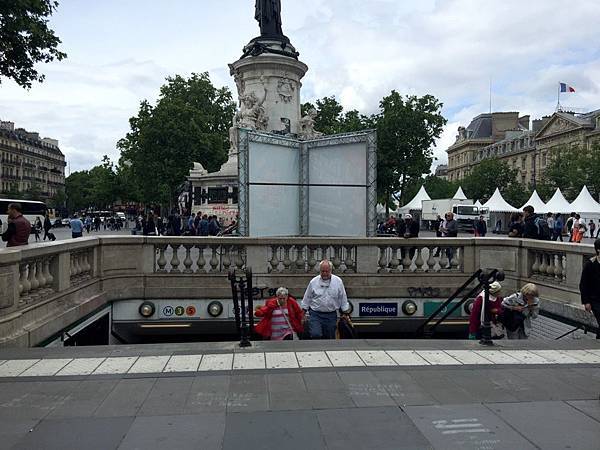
488 175
190 122
78 190
406 131
26 40
58 200
34 192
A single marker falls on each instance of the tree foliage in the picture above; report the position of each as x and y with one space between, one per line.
436 187
188 124
406 132
488 175
26 40
331 118
98 188
570 169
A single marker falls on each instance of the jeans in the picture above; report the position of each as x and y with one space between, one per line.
74 234
322 325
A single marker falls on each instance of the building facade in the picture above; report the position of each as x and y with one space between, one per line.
28 162
527 150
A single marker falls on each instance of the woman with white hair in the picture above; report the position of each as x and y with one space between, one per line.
494 305
519 310
281 317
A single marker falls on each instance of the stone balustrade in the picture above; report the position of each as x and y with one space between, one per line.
44 287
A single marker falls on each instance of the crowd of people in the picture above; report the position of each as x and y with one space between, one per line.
551 226
197 224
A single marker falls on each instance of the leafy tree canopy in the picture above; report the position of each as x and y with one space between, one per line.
189 123
331 118
488 175
25 39
407 128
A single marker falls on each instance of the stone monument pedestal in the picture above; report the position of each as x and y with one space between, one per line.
271 82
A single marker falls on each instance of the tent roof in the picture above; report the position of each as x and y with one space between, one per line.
477 203
585 203
415 203
558 203
538 204
496 203
460 195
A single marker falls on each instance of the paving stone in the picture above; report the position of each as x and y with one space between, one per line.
216 362
126 398
588 407
483 385
33 400
376 358
208 393
245 361
247 393
407 358
183 363
551 385
281 360
15 367
149 364
81 366
323 381
438 357
526 357
115 365
497 356
84 400
313 359
465 427
77 433
345 358
442 387
167 397
204 430
365 389
370 428
582 355
557 356
550 425
468 357
403 389
45 368
13 430
292 430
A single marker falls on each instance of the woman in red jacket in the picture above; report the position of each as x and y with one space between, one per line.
495 306
281 317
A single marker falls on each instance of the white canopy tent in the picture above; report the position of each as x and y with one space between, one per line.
460 195
558 204
500 211
478 204
586 206
415 204
538 204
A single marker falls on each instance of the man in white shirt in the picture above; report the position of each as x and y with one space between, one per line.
324 296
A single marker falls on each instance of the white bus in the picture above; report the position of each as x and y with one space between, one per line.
31 210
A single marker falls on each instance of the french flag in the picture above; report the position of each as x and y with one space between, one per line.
566 88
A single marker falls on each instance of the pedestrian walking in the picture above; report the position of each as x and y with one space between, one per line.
519 310
281 317
589 285
76 227
18 228
325 295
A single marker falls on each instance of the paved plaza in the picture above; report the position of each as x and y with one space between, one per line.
361 394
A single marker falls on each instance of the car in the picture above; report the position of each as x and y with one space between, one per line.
66 222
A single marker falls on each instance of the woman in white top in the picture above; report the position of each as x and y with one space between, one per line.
523 306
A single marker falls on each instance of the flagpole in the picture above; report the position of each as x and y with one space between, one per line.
558 98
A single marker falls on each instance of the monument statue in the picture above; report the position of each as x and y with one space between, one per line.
268 15
252 114
307 126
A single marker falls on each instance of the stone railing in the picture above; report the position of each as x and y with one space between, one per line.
44 287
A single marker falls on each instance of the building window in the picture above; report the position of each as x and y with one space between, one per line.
217 195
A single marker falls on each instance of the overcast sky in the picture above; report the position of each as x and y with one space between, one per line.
120 51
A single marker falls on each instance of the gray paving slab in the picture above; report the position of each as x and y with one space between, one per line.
248 392
84 400
88 433
365 389
199 431
551 425
327 390
370 428
33 400
208 393
465 427
287 392
126 398
552 386
483 385
292 430
588 407
13 430
167 397
582 379
442 387
516 385
403 388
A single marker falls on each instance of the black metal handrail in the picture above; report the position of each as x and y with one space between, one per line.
421 330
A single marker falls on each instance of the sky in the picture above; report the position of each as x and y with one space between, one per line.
121 51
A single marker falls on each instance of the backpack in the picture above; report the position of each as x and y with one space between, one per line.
542 229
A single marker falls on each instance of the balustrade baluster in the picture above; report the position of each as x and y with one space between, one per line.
187 262
443 258
382 261
161 262
336 259
287 262
536 265
200 262
324 254
238 259
550 268
39 275
274 262
542 268
454 262
430 260
349 261
47 273
175 258
557 268
564 267
300 259
419 261
33 281
394 260
214 261
226 252
406 260
312 258
24 284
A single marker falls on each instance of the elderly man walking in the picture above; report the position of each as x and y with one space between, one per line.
324 296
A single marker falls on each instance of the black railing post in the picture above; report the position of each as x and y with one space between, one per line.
245 339
234 297
250 296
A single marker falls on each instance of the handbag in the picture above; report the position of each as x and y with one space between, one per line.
512 320
294 334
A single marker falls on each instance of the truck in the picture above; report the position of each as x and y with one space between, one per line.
465 212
